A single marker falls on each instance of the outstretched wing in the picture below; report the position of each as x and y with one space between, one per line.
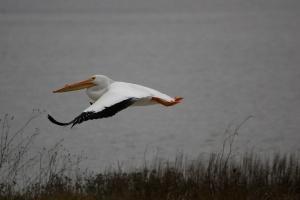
103 112
117 98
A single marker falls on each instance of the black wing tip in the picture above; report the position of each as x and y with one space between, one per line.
90 115
54 121
107 112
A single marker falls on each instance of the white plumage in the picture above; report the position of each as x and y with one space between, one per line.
109 97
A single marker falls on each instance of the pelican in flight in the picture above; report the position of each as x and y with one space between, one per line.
107 97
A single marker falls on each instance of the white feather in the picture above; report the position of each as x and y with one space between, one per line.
120 91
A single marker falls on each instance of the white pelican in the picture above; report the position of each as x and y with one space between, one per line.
109 97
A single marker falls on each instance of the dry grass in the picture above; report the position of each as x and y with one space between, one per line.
247 178
221 176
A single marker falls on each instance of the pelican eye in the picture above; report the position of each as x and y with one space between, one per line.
93 78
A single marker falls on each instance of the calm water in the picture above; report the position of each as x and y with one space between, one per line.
227 65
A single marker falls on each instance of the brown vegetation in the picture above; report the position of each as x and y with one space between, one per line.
221 176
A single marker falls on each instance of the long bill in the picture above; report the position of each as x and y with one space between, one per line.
76 86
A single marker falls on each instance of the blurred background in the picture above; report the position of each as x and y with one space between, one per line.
228 59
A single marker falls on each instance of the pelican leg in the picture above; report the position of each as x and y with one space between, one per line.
167 103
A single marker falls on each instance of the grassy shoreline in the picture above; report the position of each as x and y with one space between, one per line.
249 177
220 176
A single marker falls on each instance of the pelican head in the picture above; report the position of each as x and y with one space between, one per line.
100 81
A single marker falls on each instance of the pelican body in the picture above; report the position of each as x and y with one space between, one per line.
107 97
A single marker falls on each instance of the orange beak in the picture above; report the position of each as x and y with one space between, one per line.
76 86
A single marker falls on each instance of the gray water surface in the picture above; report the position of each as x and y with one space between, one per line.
227 64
